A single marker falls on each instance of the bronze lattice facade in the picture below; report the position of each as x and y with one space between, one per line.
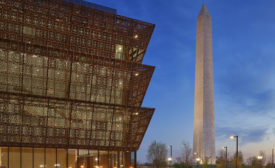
71 81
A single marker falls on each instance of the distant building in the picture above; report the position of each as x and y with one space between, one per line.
71 85
204 129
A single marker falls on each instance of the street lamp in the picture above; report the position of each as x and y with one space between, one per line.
225 147
260 157
198 161
272 158
232 137
170 159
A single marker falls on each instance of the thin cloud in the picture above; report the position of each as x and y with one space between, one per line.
247 135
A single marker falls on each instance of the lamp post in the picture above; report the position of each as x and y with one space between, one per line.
225 156
198 161
170 159
237 157
272 158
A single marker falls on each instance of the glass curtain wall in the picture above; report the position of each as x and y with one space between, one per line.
16 157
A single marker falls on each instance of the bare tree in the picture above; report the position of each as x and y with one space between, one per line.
205 163
240 159
252 162
221 160
269 163
157 154
257 162
263 159
187 154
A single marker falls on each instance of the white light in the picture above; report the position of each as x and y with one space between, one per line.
120 48
57 165
136 74
136 113
136 36
34 56
170 159
96 159
260 157
198 159
232 137
41 166
82 166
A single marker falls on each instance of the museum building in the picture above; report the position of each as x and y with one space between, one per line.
72 84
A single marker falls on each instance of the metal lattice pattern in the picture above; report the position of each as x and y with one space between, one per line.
71 76
56 27
44 122
80 78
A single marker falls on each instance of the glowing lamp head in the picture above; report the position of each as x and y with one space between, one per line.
260 157
232 137
170 159
198 159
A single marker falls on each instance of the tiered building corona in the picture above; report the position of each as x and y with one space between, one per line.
71 85
204 129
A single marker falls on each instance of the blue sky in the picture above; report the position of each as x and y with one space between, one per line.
244 70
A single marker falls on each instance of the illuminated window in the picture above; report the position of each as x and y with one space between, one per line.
119 52
28 30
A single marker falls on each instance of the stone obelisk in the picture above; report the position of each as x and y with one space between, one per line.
204 128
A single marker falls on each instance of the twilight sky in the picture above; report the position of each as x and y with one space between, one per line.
244 70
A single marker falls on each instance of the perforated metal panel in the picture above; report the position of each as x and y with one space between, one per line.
47 122
71 76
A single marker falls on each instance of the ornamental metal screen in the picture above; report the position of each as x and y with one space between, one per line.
71 76
47 122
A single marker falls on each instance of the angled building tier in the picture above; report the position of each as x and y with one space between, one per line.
71 85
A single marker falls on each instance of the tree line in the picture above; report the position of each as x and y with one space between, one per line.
157 157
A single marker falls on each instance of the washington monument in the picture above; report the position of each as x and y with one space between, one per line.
204 129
